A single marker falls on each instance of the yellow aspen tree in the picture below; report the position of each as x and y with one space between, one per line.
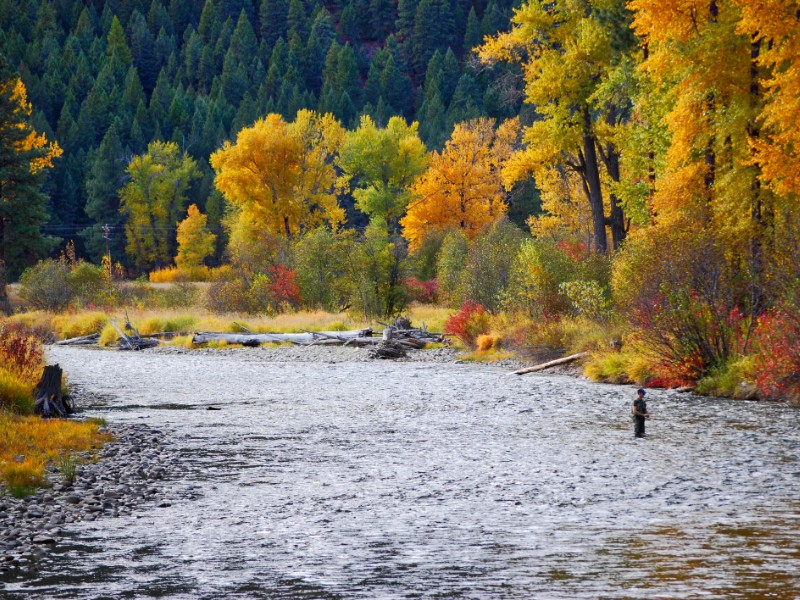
195 241
280 176
463 187
576 56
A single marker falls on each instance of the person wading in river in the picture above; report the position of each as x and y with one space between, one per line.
639 410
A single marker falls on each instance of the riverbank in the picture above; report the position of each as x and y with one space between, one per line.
125 476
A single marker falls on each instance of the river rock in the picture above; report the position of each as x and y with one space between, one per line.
43 539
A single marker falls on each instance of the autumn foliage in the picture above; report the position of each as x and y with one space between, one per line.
462 188
777 356
468 323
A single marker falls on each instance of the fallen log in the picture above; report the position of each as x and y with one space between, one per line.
80 340
256 339
49 401
552 363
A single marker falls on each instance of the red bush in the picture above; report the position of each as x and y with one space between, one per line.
468 323
573 250
21 352
283 285
777 356
422 291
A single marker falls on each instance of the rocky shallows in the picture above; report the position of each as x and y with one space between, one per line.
126 475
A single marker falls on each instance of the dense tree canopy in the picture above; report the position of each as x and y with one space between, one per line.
280 176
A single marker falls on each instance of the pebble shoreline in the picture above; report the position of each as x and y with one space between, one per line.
128 475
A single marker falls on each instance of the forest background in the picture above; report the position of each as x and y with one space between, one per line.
563 173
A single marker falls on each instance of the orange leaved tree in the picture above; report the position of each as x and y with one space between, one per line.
462 188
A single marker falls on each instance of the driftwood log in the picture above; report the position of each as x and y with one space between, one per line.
552 363
49 401
307 338
80 341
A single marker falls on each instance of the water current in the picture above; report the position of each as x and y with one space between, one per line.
423 480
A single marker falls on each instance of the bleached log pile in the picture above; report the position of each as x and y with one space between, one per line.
400 337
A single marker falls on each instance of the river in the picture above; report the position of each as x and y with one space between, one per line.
424 480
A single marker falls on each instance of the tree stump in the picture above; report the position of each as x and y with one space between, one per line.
49 401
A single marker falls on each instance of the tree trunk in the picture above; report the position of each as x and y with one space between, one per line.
617 219
49 401
592 168
5 304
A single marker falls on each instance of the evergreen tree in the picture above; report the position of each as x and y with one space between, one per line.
143 50
210 25
473 35
244 44
23 156
272 20
297 20
105 178
451 71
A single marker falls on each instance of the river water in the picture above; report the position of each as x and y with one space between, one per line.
422 480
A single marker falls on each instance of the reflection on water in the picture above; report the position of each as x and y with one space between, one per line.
392 480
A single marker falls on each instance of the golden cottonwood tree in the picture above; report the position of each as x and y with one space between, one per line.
577 56
195 241
154 200
280 176
385 163
462 188
730 75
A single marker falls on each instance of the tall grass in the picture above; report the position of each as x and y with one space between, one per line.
28 444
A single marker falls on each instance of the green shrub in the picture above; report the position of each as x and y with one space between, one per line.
46 285
450 264
322 258
487 274
90 284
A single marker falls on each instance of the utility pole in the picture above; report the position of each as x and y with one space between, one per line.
106 232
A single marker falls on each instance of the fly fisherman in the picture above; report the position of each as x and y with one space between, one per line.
639 410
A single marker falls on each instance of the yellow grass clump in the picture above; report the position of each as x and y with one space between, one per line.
434 317
35 319
202 273
79 324
27 444
488 356
16 394
626 366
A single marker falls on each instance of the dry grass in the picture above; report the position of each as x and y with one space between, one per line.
434 317
74 325
487 356
28 444
626 366
16 394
